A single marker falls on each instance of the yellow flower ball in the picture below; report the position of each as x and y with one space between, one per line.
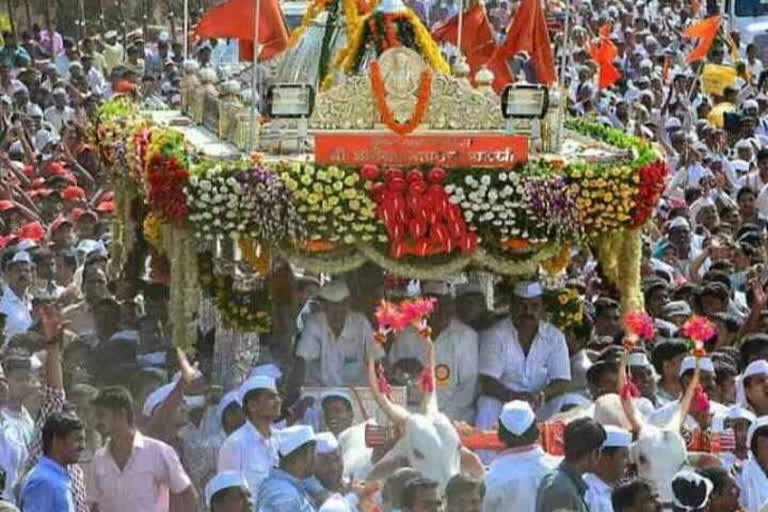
338 186
313 198
608 197
306 180
328 190
349 193
589 173
354 205
317 188
351 180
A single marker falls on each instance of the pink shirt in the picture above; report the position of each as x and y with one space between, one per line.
152 470
58 42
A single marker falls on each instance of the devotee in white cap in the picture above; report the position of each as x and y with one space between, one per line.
735 422
456 353
754 381
522 357
283 489
663 415
228 492
252 449
517 471
336 342
612 467
329 471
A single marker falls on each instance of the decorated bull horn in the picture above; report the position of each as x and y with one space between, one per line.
685 402
394 412
429 399
626 395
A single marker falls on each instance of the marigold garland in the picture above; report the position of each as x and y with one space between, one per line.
315 8
422 101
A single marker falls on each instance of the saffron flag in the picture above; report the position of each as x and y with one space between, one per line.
705 31
603 53
528 33
477 43
236 18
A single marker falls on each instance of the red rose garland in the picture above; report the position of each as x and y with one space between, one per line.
649 191
166 178
416 212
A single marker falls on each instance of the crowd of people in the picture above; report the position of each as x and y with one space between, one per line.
99 413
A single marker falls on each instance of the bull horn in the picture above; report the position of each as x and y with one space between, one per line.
394 412
429 399
685 402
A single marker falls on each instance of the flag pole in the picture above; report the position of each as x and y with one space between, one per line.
254 75
461 20
186 30
561 79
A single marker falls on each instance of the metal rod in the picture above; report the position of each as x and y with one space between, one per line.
254 75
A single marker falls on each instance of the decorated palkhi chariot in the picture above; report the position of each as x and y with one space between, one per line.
400 163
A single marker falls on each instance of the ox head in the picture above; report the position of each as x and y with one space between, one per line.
429 441
659 453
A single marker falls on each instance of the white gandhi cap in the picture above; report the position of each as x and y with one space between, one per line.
639 359
527 289
517 417
224 480
254 383
292 438
616 437
326 443
335 291
759 367
689 363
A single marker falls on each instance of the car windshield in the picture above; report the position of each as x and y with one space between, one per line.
751 8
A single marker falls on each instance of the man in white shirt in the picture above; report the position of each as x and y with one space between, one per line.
521 357
16 303
251 449
59 114
611 468
336 343
518 470
456 354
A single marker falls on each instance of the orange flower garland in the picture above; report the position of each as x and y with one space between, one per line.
425 89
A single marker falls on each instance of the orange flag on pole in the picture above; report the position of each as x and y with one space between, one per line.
235 19
477 41
528 33
705 31
603 53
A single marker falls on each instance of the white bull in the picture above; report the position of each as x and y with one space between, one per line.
429 442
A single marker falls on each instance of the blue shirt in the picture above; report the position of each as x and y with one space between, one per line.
47 488
282 492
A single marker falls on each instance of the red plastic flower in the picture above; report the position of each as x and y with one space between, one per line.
369 172
426 382
389 316
699 328
649 190
436 175
629 390
639 324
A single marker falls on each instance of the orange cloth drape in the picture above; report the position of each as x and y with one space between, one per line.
528 33
235 19
477 42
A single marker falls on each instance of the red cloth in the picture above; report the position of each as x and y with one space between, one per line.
705 31
477 42
528 33
124 86
235 19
